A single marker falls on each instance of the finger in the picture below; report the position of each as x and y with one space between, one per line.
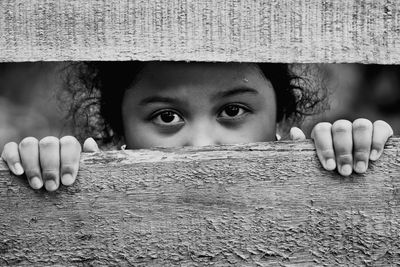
322 136
362 138
343 145
381 132
297 134
49 153
90 145
29 153
10 155
70 151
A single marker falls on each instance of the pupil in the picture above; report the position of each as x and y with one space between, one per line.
232 111
167 116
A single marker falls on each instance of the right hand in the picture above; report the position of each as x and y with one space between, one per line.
47 161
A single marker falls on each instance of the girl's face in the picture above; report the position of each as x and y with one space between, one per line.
197 104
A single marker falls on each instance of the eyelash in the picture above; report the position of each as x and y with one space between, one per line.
245 112
244 109
159 113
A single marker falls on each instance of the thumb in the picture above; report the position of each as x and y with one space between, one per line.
297 134
90 145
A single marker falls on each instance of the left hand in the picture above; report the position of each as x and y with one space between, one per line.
346 145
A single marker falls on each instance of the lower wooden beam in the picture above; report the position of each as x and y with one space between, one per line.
258 204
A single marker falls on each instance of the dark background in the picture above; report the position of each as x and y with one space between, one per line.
29 105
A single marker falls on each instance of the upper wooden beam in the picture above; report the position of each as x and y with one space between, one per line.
365 31
265 204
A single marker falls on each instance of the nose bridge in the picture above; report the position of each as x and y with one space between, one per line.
203 134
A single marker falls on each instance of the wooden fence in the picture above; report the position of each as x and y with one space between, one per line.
225 30
254 204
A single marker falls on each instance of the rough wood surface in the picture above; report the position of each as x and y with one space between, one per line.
247 205
366 31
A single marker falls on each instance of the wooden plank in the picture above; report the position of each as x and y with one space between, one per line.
253 204
366 31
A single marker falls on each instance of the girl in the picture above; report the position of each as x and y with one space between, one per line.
191 104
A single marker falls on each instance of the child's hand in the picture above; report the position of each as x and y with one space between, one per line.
45 161
350 145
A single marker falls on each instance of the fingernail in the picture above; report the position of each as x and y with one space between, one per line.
346 170
361 167
67 179
36 183
374 155
330 164
18 168
50 185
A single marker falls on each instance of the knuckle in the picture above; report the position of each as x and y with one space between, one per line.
50 174
361 150
383 124
341 126
345 158
328 153
32 173
378 144
322 127
68 168
28 142
11 158
8 149
362 124
361 155
10 145
48 141
68 140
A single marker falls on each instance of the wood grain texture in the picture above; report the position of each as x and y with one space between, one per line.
247 205
366 31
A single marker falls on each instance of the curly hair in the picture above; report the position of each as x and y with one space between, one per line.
95 91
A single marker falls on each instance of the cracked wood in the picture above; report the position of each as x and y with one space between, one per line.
252 204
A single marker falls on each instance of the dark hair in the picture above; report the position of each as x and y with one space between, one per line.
96 89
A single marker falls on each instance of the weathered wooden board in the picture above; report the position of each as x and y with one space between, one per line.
257 204
366 31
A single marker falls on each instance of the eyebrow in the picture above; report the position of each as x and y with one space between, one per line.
159 99
236 91
171 100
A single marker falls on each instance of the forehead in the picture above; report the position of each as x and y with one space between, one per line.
168 74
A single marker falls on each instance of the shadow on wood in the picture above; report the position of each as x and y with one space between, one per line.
263 203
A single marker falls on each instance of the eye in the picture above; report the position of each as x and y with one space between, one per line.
233 111
167 118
